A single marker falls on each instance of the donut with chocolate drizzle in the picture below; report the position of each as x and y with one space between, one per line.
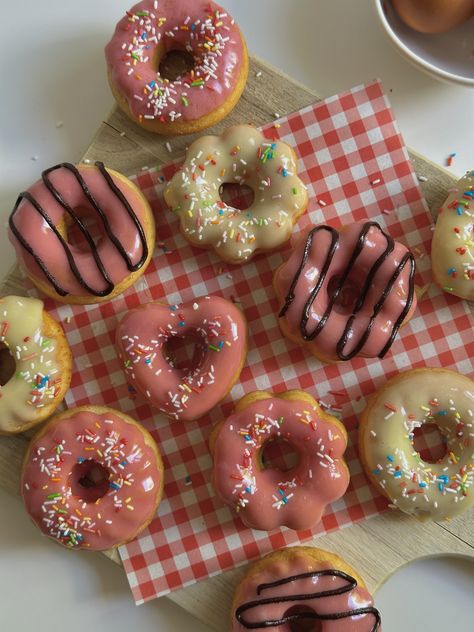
55 206
346 293
305 589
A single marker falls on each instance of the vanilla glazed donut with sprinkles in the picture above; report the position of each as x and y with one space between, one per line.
35 364
452 249
240 156
296 495
177 66
431 482
151 341
92 478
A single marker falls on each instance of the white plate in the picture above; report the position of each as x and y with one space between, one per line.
447 56
433 594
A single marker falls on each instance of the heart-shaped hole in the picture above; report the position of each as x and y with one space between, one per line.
185 353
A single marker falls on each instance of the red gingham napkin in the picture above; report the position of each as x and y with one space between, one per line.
356 166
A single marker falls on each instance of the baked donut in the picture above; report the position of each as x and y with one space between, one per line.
212 72
345 293
240 155
269 498
184 388
303 588
35 364
408 401
452 250
92 478
50 227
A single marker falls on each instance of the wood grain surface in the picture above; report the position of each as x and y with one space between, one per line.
375 547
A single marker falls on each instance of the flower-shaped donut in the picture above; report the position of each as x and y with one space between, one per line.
240 155
346 293
267 497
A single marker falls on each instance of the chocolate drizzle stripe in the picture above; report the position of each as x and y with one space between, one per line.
70 211
351 583
360 244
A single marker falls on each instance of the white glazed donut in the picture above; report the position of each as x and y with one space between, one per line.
452 250
445 398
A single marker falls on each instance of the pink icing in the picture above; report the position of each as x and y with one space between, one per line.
267 499
44 242
375 244
220 332
200 27
283 568
65 510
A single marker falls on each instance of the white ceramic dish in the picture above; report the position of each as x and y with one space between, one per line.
446 56
433 593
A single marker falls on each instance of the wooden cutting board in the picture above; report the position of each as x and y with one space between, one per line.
375 547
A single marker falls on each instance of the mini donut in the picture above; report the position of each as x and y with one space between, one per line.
407 401
345 293
269 498
35 364
218 331
92 478
452 249
198 97
240 155
59 205
303 588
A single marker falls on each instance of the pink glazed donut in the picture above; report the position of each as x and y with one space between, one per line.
198 94
269 498
101 260
92 478
346 293
303 589
148 341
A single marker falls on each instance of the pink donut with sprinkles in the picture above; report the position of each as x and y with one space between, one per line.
184 359
177 66
265 495
92 478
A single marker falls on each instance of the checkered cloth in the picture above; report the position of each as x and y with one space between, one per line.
356 166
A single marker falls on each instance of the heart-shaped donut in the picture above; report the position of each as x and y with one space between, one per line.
148 341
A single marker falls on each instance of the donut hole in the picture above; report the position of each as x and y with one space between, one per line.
235 195
175 63
92 224
279 454
303 621
430 443
347 298
7 364
89 480
185 354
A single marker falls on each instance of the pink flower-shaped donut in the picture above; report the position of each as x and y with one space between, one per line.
183 388
346 293
269 498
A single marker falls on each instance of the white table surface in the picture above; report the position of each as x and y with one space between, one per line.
52 70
